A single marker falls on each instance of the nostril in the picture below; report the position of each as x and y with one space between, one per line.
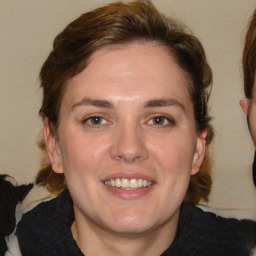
129 156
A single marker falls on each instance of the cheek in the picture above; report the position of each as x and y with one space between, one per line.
174 160
175 154
82 153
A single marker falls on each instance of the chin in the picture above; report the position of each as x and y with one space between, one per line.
132 229
131 224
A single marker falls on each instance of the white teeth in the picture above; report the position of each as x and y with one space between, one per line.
118 183
139 183
125 183
133 183
128 183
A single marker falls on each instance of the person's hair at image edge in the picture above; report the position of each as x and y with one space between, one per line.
120 24
249 57
249 68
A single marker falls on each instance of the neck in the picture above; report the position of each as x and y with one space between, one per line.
96 241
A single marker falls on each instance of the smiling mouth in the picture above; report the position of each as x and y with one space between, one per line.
128 184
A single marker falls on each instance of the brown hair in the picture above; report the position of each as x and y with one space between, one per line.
119 24
249 57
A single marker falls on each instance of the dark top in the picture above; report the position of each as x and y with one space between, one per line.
46 231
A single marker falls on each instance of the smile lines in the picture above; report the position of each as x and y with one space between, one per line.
128 183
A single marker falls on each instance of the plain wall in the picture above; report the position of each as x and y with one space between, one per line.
27 30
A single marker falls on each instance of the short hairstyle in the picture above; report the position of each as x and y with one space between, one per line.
122 24
249 57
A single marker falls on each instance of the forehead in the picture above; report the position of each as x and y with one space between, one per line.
129 71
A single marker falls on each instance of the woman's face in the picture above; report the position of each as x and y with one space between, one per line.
126 139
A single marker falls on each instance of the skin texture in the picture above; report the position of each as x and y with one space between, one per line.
144 128
249 108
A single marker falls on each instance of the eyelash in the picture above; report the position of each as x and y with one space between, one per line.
164 121
170 121
89 121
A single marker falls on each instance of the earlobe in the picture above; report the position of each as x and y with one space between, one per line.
52 147
199 152
244 103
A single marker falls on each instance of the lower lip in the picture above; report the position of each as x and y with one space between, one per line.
130 194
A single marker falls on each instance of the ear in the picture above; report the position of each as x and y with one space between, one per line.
199 152
52 147
244 103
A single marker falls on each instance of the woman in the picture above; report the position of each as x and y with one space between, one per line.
126 124
248 104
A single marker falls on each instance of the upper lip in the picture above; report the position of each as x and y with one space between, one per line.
132 175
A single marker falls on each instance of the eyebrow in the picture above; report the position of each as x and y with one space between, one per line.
149 104
164 103
93 102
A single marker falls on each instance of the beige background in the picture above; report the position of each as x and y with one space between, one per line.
27 29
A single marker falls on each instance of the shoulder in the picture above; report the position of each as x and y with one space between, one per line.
46 227
40 215
242 229
210 232
207 223
35 197
12 239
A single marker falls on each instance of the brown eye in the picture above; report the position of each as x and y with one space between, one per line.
161 121
95 120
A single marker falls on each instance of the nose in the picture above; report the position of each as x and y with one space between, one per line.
129 145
